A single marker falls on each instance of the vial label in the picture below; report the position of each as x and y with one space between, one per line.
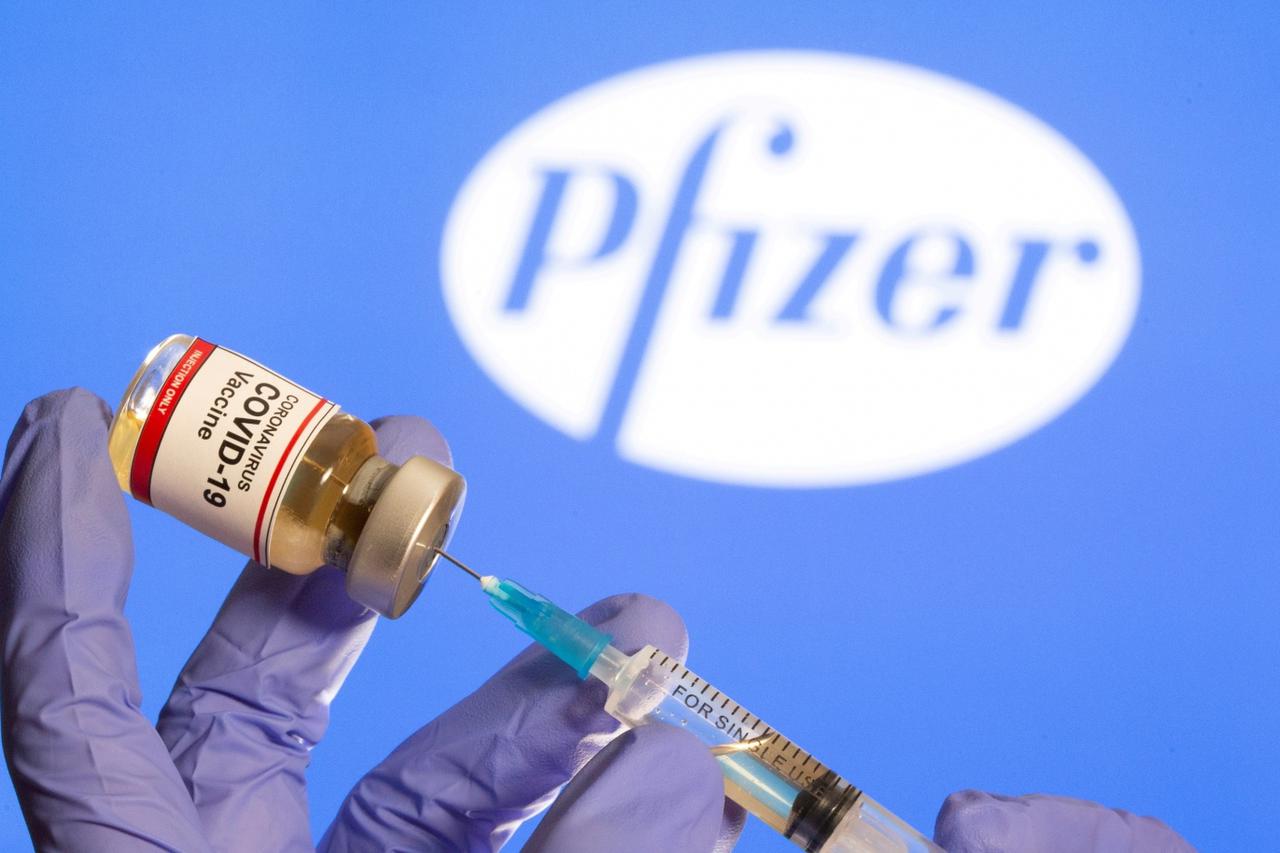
221 441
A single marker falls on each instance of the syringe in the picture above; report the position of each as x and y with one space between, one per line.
764 772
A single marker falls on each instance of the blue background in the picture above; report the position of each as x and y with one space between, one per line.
1090 611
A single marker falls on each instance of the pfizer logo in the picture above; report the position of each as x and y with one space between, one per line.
790 268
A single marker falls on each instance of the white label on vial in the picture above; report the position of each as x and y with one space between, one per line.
220 443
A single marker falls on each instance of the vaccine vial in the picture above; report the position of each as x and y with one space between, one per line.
278 473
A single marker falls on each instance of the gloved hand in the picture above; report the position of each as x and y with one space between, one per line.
224 767
974 822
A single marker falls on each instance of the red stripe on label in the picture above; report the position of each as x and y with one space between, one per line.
153 429
275 475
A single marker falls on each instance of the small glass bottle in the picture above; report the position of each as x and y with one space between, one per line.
278 473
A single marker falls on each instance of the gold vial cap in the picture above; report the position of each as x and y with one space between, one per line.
396 550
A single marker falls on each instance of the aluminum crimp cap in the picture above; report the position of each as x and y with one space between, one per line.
395 552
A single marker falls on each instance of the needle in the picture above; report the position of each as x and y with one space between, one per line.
459 563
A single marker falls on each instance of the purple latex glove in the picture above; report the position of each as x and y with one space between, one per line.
224 767
974 822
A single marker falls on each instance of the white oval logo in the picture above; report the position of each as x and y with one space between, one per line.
790 268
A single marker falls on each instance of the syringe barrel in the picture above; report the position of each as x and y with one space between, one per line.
767 774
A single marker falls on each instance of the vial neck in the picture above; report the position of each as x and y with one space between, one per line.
352 511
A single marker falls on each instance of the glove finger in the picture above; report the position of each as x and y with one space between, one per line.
402 436
253 700
469 778
652 788
88 767
731 823
975 822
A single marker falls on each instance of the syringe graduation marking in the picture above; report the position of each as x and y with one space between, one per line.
752 735
768 747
